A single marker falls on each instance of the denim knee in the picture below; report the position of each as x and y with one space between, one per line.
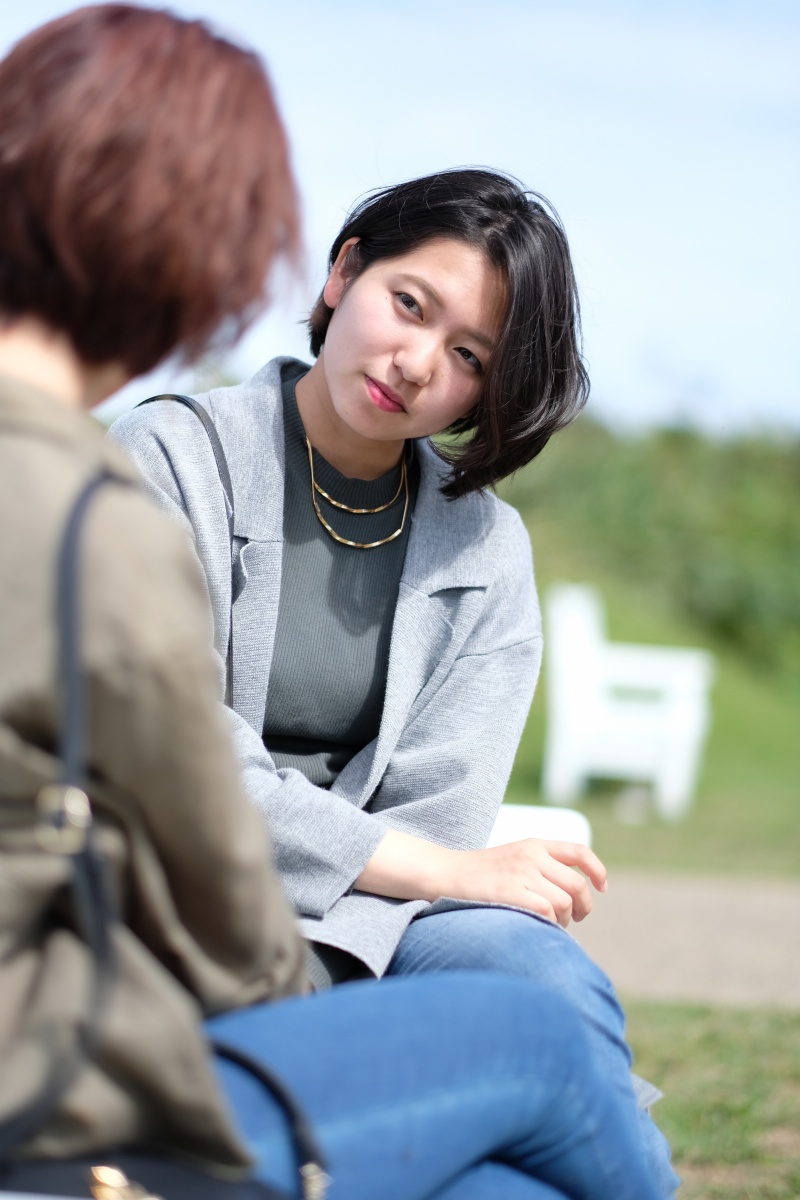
531 948
521 945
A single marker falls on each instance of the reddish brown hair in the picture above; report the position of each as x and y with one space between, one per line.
145 187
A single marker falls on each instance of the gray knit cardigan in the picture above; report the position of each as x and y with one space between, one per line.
463 662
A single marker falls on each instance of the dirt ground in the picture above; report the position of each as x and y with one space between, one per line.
683 938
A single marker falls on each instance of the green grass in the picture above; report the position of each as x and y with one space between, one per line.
732 1096
746 816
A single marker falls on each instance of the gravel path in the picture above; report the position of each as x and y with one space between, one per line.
710 940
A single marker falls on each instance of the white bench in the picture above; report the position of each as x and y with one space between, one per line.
518 821
617 710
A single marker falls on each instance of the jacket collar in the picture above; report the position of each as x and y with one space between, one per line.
250 422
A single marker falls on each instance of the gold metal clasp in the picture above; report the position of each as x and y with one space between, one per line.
315 1181
65 816
109 1183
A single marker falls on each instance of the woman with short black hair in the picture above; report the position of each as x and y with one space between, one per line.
535 381
385 630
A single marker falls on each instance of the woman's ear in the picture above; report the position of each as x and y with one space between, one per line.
340 276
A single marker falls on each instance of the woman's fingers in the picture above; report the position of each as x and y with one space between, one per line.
574 854
526 875
549 900
538 904
572 884
545 869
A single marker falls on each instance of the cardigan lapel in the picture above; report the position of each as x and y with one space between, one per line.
255 617
448 546
447 549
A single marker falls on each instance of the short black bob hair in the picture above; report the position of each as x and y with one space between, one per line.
536 382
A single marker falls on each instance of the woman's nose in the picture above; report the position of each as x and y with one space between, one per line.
416 360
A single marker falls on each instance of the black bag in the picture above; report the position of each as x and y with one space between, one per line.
66 813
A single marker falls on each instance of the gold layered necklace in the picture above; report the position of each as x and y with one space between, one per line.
317 490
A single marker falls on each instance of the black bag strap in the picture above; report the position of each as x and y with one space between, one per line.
311 1163
216 445
65 827
227 488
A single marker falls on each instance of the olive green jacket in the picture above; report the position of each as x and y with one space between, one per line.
206 927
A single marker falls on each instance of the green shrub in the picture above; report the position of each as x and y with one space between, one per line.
714 524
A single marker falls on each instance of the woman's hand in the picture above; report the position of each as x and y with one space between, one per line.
531 874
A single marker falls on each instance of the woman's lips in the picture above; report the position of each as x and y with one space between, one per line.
383 397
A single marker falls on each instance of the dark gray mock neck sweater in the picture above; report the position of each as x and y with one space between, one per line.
336 610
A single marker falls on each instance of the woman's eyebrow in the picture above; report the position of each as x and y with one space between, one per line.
482 338
427 288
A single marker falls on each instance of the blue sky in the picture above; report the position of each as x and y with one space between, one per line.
666 134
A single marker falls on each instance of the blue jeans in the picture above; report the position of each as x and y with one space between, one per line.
528 947
447 1087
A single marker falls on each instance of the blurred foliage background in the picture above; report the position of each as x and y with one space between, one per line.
691 541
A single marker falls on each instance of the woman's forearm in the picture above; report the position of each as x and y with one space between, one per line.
408 868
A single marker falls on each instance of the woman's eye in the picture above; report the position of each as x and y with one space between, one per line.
409 303
469 358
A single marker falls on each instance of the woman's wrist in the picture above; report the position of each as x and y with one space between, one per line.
437 868
409 868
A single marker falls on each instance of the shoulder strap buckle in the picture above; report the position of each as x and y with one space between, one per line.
65 817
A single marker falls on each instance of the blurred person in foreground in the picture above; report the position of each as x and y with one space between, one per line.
144 194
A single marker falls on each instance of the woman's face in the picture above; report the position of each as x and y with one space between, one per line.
410 339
